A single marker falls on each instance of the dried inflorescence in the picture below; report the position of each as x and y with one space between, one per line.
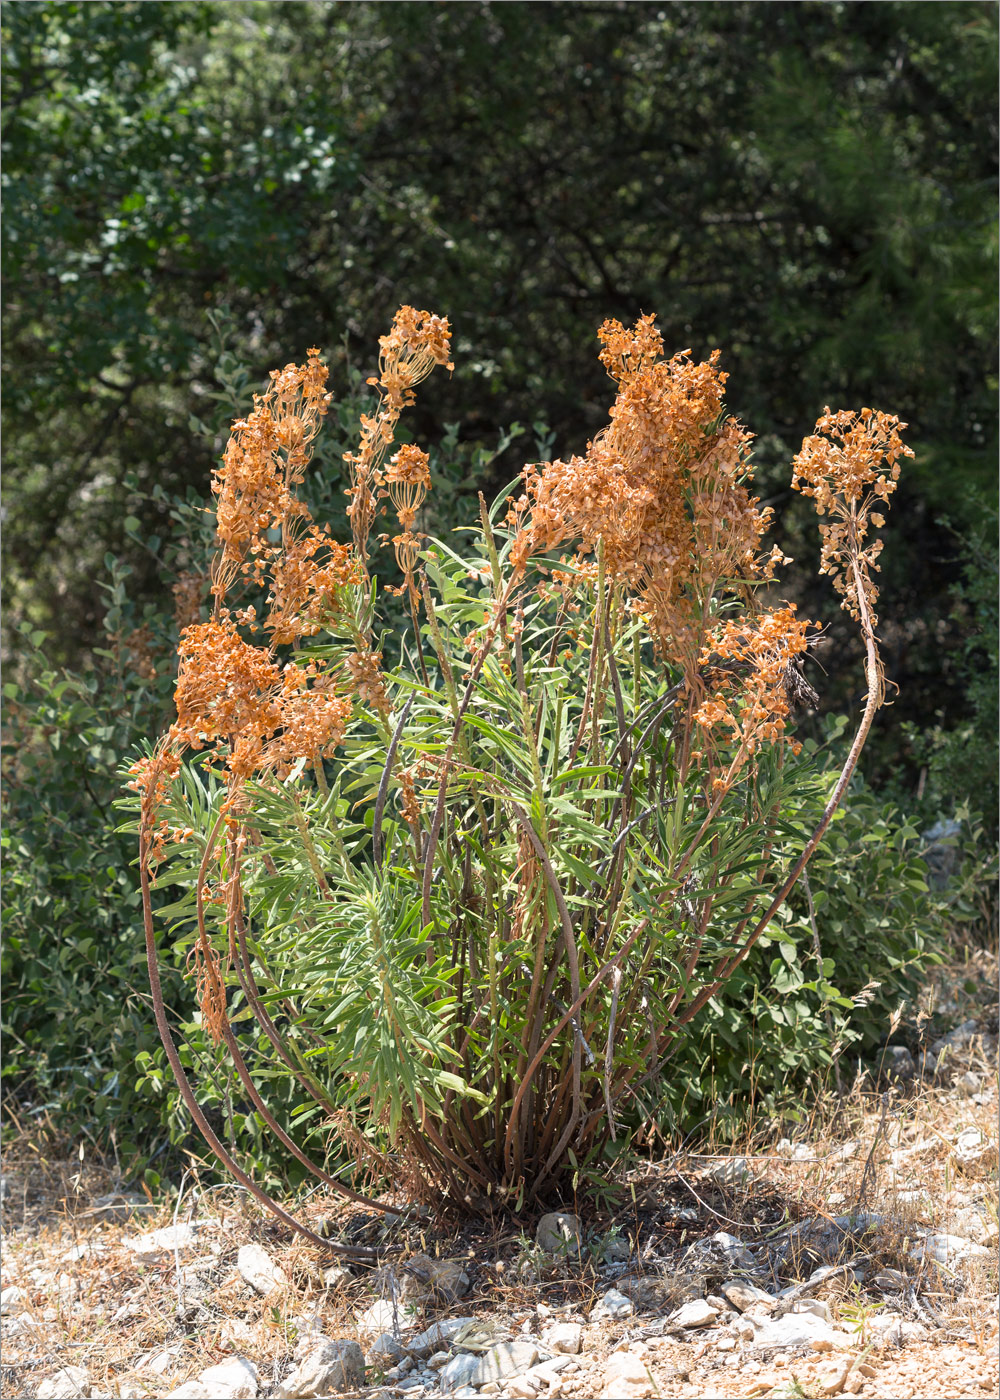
849 466
746 668
416 344
663 487
231 694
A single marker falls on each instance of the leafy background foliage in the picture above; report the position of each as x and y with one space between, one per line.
195 192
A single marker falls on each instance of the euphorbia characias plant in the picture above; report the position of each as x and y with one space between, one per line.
473 899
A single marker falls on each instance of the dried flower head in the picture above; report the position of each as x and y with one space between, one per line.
663 486
850 465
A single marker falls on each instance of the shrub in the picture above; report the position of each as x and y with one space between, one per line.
471 904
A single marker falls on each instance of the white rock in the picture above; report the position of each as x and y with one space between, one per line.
565 1337
160 1245
384 1316
799 1329
816 1306
626 1376
612 1305
12 1301
560 1233
385 1347
457 1375
946 1249
503 1361
732 1172
974 1153
258 1269
744 1295
160 1361
66 1384
439 1334
87 1250
231 1380
698 1313
334 1365
897 1331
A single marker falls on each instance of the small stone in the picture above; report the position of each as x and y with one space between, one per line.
946 1249
897 1063
442 1279
160 1245
565 1337
458 1373
614 1250
612 1305
439 1334
335 1365
258 1269
560 1233
732 1172
743 1295
162 1361
12 1301
385 1347
974 1153
626 1376
896 1331
384 1316
507 1359
231 1380
67 1384
799 1329
698 1313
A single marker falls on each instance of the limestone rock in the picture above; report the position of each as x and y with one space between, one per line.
66 1384
626 1376
612 1305
160 1245
231 1380
258 1269
458 1373
698 1313
440 1280
560 1233
565 1337
334 1365
744 1295
383 1316
503 1361
439 1334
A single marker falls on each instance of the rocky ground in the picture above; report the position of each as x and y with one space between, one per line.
858 1258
